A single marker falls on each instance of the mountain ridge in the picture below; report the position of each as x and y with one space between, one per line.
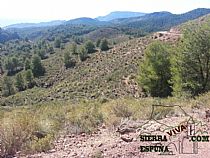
41 24
119 15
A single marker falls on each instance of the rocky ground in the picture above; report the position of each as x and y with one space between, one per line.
125 141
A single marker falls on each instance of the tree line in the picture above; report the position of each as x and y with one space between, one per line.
181 70
26 70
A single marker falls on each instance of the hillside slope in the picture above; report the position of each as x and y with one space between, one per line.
108 75
7 35
161 20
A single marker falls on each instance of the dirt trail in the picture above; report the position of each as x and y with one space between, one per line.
109 144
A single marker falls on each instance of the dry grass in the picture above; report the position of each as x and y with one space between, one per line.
18 124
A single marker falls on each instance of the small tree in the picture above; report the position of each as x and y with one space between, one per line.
42 53
19 82
98 42
57 43
104 45
12 64
29 78
9 65
90 47
37 67
1 68
68 60
74 49
155 72
15 63
27 64
7 86
83 54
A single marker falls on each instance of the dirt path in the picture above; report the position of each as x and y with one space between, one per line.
109 144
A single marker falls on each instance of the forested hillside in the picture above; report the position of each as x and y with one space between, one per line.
6 36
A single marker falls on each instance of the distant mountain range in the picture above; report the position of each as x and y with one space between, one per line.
86 21
119 15
101 20
132 19
41 24
139 22
160 20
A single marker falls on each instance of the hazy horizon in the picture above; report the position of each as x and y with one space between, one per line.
30 11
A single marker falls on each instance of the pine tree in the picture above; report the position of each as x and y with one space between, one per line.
27 64
1 68
83 54
68 60
155 72
193 59
37 67
57 43
7 86
29 78
90 47
19 82
74 49
98 42
104 45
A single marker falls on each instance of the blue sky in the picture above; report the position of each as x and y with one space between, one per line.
13 11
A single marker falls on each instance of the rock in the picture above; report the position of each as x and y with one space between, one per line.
103 126
100 144
74 154
52 151
39 134
127 139
79 145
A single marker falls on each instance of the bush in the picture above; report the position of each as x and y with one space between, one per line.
57 43
104 45
29 77
7 86
20 82
18 128
121 110
84 118
90 47
15 131
83 54
68 60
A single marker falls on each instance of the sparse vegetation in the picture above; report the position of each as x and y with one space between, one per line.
19 126
56 80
